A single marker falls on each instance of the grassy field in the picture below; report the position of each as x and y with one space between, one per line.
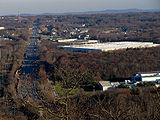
62 91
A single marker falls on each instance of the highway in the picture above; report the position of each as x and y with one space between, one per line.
28 74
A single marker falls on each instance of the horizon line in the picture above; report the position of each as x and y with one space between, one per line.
87 12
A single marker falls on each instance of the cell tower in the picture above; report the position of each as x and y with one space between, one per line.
19 17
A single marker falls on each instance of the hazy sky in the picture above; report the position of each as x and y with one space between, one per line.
54 6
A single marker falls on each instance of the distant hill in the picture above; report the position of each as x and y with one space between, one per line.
115 11
95 12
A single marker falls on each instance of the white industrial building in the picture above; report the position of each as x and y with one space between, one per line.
142 77
147 77
108 46
105 85
115 84
2 28
66 40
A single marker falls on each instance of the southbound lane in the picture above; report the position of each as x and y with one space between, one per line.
28 74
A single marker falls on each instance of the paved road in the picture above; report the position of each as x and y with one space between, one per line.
27 82
27 88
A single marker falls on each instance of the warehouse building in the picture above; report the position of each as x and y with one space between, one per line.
146 77
108 46
2 28
105 85
65 40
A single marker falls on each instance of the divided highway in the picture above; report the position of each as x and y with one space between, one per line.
28 74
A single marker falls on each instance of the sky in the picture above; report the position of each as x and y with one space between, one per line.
60 6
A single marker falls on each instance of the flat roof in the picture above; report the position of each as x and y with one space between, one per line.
153 72
111 46
105 83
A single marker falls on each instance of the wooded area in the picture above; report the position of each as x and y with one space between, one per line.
75 75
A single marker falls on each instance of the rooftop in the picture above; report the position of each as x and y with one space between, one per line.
111 46
105 83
